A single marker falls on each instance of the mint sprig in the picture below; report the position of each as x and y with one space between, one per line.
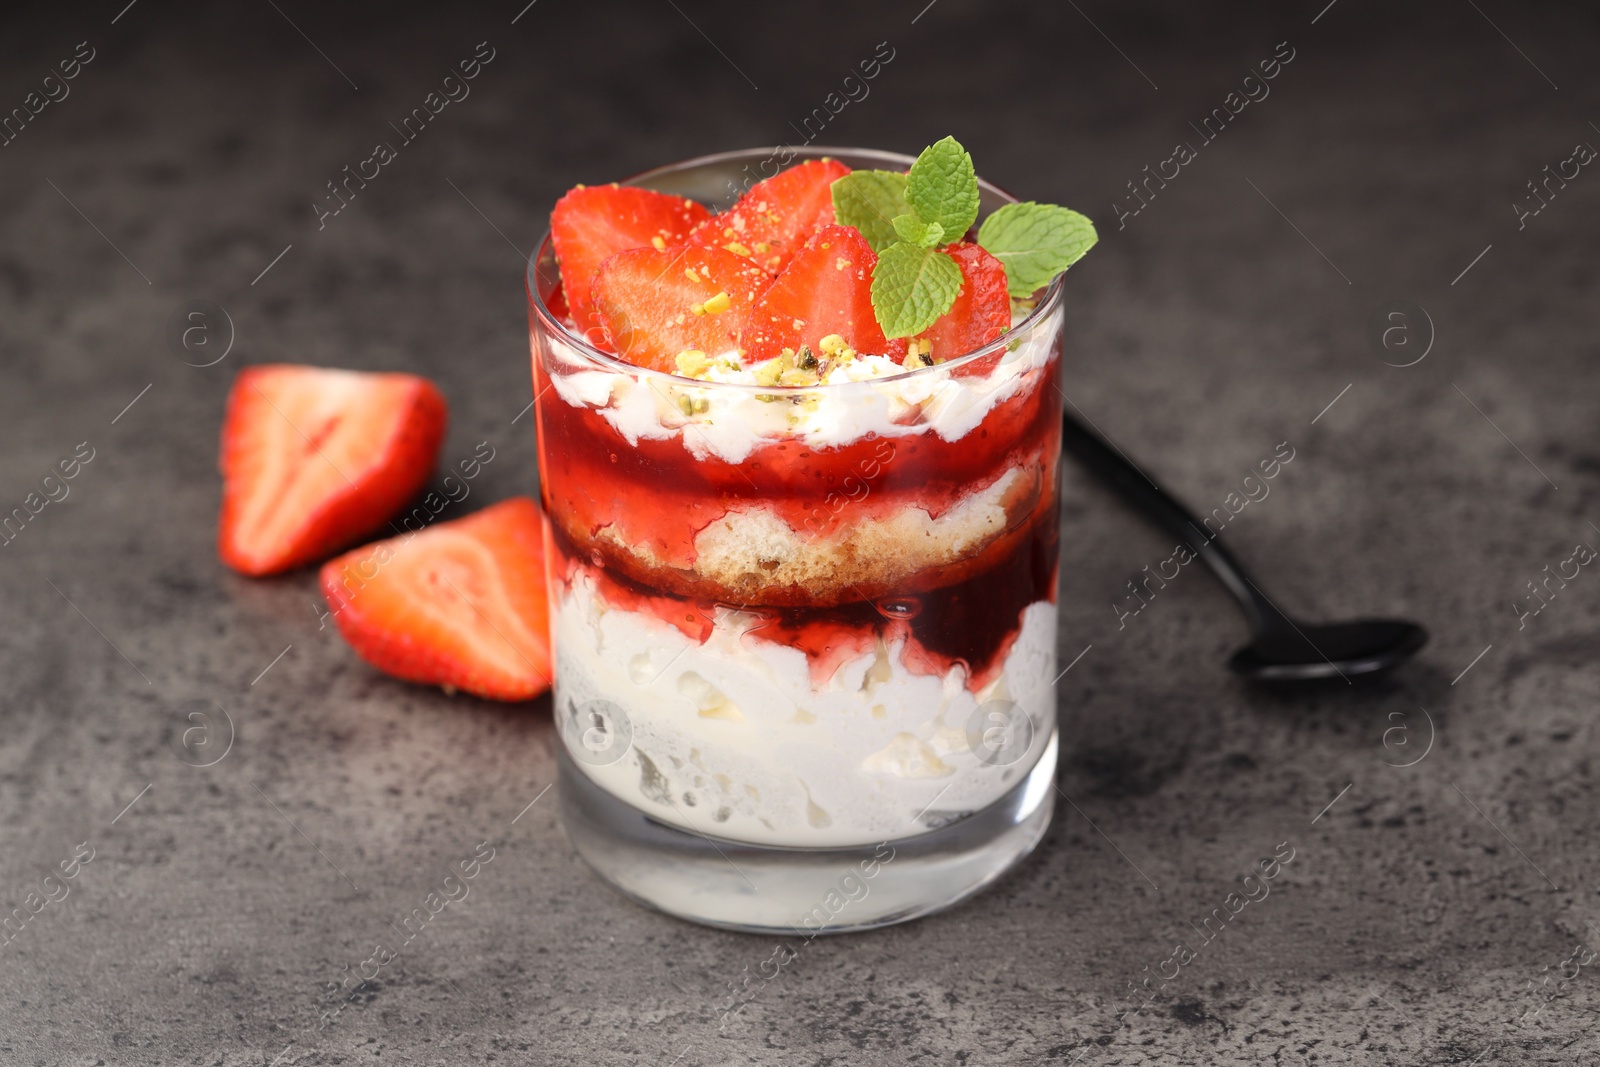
909 218
1035 242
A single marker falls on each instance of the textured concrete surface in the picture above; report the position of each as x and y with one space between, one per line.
1436 913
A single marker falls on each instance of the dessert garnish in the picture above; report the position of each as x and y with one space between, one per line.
879 259
914 221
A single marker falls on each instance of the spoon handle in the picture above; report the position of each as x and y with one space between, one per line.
1118 472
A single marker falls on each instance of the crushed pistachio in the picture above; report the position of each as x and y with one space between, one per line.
919 353
715 306
837 353
806 360
693 405
770 371
692 363
736 248
658 243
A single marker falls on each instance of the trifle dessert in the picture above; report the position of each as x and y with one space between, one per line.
799 461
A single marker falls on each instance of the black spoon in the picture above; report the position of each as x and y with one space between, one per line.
1281 649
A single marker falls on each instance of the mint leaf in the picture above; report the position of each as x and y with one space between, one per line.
913 230
1035 242
912 287
870 200
942 187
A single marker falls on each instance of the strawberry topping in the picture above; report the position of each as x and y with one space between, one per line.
655 304
982 311
772 221
593 223
825 289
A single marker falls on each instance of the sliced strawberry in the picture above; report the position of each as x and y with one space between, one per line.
460 604
825 289
777 216
982 311
314 459
591 224
655 304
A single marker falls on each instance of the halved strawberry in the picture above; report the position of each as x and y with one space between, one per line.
777 216
593 223
655 304
825 289
982 311
461 604
314 459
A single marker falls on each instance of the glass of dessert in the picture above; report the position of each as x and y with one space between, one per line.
798 443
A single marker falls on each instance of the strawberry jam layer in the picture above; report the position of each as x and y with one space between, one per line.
643 504
969 623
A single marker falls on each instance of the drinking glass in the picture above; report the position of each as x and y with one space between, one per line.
804 636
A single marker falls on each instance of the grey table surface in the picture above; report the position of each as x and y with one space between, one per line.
1433 913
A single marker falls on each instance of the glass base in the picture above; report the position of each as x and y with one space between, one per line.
769 890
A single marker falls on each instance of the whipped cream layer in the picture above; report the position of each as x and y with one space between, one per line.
732 737
728 416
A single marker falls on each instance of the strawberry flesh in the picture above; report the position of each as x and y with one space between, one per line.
460 604
771 222
647 300
593 223
315 459
982 311
825 289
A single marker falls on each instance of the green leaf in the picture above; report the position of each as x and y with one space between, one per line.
1035 242
913 230
942 187
870 200
912 287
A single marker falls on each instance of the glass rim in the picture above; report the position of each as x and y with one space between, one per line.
607 361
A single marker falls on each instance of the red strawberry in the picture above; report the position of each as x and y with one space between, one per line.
655 304
314 459
777 216
825 289
591 224
460 604
982 311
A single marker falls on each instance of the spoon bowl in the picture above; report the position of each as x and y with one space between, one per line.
1335 650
